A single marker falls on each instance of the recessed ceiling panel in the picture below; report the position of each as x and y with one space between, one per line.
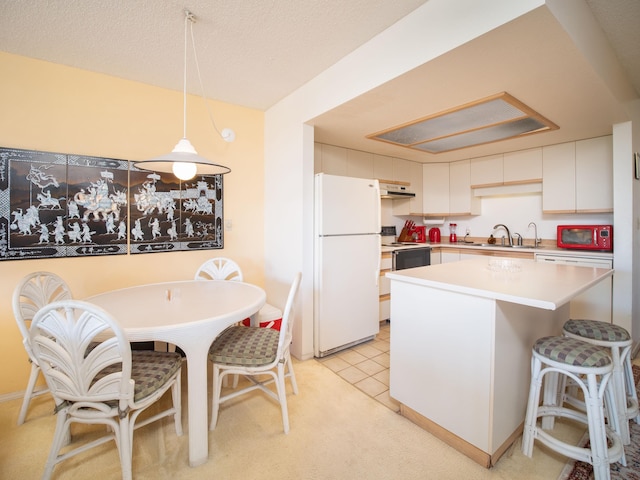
492 119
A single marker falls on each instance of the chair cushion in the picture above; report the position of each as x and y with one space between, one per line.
245 346
572 352
597 330
150 370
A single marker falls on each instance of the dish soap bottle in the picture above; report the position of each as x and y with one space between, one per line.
491 240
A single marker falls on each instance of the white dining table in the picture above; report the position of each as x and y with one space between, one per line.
189 314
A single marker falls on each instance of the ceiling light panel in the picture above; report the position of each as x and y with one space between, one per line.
492 119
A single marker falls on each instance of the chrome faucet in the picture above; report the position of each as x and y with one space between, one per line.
536 241
508 232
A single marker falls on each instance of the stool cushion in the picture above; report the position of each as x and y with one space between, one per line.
597 330
572 352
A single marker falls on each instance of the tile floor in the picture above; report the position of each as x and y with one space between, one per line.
366 366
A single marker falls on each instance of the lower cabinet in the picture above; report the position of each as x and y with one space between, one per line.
384 286
596 302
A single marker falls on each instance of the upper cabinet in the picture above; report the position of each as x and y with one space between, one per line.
359 164
523 166
333 160
513 168
461 199
382 167
594 175
435 189
487 171
578 176
411 173
447 191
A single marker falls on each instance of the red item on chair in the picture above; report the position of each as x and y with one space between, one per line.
275 324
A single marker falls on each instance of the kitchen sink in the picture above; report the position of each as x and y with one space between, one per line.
495 245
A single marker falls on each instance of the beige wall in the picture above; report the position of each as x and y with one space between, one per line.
54 108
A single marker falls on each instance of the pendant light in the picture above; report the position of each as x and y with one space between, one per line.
183 161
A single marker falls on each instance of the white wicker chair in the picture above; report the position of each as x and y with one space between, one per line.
95 378
32 293
255 351
221 268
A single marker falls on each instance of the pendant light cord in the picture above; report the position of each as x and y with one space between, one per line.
190 17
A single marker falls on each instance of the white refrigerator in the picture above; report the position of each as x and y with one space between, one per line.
346 262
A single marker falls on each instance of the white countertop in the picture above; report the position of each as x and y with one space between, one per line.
536 284
467 246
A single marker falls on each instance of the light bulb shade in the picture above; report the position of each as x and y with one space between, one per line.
183 153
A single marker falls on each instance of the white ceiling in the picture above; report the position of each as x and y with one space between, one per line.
255 52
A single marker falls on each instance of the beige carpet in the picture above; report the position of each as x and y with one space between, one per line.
337 432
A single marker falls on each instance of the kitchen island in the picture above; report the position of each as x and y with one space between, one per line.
461 341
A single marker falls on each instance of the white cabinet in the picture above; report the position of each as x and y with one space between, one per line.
317 158
410 172
577 177
446 189
487 171
435 257
384 284
447 256
595 303
435 189
382 167
523 166
359 164
461 199
513 168
334 160
594 175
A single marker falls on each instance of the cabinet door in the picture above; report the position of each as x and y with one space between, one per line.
448 256
558 178
417 203
524 166
382 167
461 199
435 188
410 172
487 171
359 164
334 160
594 175
317 158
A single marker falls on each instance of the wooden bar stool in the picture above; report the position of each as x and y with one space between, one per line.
590 367
618 341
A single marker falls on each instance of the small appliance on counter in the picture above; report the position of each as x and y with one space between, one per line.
453 237
388 234
412 233
586 237
434 235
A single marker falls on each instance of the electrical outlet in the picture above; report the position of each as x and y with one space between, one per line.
228 224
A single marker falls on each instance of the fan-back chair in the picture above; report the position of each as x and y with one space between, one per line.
255 351
32 293
95 378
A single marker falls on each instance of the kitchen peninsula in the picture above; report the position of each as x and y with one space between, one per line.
461 344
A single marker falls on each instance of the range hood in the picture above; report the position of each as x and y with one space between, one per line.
393 191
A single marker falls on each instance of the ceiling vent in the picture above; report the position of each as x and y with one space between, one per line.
496 118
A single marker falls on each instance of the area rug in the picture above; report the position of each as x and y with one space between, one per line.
575 470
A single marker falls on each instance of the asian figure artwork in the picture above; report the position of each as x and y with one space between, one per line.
169 215
57 205
62 205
